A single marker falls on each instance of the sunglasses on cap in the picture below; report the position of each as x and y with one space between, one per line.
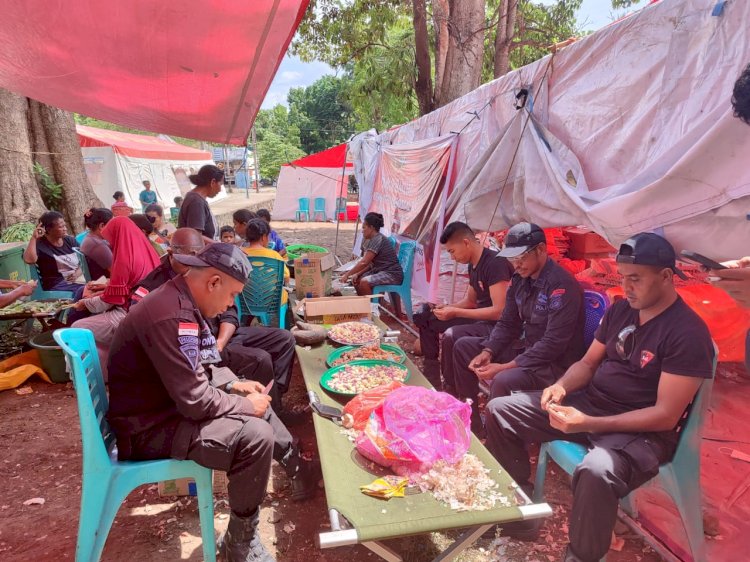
625 344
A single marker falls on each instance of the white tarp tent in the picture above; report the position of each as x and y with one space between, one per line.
116 161
319 175
627 130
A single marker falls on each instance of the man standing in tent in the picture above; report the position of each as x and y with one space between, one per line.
472 316
545 306
147 197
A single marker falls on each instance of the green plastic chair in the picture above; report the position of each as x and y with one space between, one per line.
320 208
406 260
41 294
84 264
261 296
304 208
107 481
341 208
680 477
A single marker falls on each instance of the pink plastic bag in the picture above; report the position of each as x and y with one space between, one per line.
361 406
414 427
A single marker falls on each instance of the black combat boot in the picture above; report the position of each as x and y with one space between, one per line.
241 542
303 474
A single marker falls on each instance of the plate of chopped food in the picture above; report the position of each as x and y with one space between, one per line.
354 333
355 377
351 353
34 309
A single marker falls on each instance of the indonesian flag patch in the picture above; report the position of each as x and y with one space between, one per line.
646 357
187 329
140 292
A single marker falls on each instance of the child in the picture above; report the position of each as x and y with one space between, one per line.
274 242
227 235
120 208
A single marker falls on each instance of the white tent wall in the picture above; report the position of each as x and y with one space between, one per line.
295 182
632 131
109 171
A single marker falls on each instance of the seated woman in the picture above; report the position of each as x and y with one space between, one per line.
18 289
95 248
120 207
145 225
51 249
256 233
241 218
379 264
163 229
274 240
132 259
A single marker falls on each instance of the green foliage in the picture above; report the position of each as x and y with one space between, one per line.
20 232
273 151
50 190
539 26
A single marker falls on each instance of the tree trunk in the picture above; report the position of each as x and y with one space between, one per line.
423 86
463 63
67 163
440 15
38 137
19 195
506 27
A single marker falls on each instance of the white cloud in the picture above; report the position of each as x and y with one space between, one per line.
293 73
290 76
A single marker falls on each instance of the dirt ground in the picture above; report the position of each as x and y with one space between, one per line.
40 440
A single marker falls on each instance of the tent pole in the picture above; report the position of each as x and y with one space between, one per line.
338 218
255 160
453 282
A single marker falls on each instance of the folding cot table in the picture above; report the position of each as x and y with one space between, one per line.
360 519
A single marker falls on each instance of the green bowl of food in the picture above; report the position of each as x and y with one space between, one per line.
358 376
293 251
382 352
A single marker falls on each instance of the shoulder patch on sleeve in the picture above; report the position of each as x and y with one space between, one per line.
187 329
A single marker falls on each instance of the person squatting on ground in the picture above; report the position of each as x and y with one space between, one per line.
472 316
624 400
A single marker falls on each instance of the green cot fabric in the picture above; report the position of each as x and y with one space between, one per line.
376 519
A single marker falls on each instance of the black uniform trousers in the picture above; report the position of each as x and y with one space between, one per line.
616 463
242 446
261 354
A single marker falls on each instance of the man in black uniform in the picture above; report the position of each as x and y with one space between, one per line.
545 304
252 352
624 400
472 316
164 403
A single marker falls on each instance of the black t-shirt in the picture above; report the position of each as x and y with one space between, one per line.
386 258
57 263
677 341
195 213
490 270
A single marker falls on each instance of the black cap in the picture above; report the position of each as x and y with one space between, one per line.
521 238
227 258
649 249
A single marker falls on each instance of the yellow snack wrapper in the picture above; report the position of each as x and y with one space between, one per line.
386 488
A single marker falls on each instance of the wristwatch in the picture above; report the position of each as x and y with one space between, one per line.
228 386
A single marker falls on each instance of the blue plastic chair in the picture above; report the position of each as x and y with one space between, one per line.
393 240
320 208
304 208
174 214
107 481
680 477
595 305
261 296
341 208
84 264
406 260
81 236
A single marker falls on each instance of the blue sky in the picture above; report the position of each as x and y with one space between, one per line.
294 73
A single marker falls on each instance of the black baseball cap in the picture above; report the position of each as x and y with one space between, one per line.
648 248
227 258
521 238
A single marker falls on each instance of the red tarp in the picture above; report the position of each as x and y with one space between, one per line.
139 146
196 68
329 158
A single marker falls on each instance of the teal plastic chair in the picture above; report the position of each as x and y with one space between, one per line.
320 208
261 296
304 208
174 214
393 240
680 477
41 294
84 264
341 208
107 481
406 260
81 236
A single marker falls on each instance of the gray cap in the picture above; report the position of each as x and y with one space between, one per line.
648 248
227 258
520 238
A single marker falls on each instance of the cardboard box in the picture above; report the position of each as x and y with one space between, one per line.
186 486
586 244
312 275
335 310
